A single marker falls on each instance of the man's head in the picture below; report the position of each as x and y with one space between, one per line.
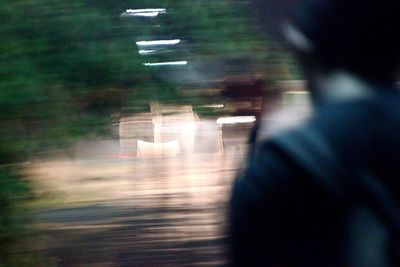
359 36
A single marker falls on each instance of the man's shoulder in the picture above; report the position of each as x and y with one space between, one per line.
339 118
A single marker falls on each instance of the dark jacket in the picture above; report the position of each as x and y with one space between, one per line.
280 216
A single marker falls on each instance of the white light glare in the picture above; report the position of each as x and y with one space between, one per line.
160 10
213 106
236 119
146 12
170 63
145 52
158 42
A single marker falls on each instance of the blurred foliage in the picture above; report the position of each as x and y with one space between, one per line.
68 66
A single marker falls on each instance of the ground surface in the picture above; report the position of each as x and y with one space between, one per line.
137 212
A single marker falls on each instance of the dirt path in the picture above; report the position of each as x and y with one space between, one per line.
137 212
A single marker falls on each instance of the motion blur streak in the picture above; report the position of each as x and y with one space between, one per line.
140 211
110 150
158 42
147 12
171 63
144 52
237 119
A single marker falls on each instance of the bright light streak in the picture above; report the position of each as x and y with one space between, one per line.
160 10
146 12
158 42
145 52
213 106
170 63
236 119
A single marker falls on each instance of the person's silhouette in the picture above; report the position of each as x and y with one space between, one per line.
326 192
